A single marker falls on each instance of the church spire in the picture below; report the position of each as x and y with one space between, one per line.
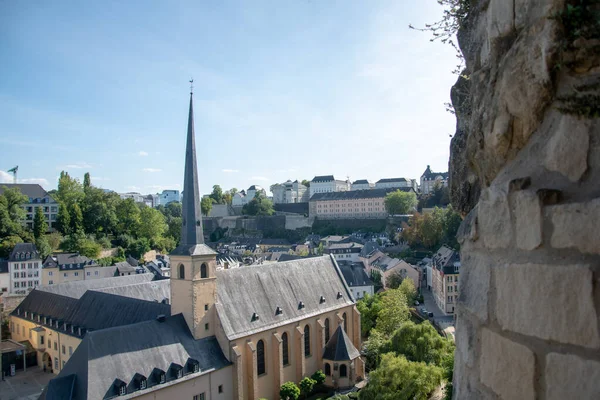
191 229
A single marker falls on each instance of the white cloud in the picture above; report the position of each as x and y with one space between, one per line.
142 153
151 169
5 177
80 165
39 181
229 170
259 178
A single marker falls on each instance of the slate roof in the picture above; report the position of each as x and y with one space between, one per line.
392 180
241 292
255 188
369 248
360 182
357 194
61 388
354 273
323 178
280 242
340 347
444 259
198 249
340 246
122 352
429 174
158 290
23 248
46 304
78 288
31 190
3 266
63 259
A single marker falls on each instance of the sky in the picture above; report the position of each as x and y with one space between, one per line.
282 90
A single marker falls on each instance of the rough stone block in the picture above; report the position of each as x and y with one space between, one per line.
551 302
494 218
500 18
528 216
576 225
506 367
568 376
474 285
567 150
467 340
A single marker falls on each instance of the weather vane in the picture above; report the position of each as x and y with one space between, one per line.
192 86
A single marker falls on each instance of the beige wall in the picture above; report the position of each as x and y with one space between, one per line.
208 384
349 208
58 276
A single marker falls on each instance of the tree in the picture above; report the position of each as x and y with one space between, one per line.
70 190
374 348
40 226
173 210
8 243
12 213
152 224
54 240
394 280
376 278
63 219
206 205
128 217
408 288
393 312
306 386
400 379
227 197
259 205
217 194
89 248
306 183
433 229
174 230
43 247
369 307
318 377
87 182
421 342
289 391
99 211
400 202
76 219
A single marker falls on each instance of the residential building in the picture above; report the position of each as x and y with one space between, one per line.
396 183
289 192
328 184
69 267
430 179
38 198
362 184
24 268
344 251
236 333
388 266
151 200
137 197
445 268
351 204
356 278
168 196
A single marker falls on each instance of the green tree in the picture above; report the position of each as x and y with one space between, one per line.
89 248
377 279
393 312
128 217
173 209
408 288
12 213
43 247
399 379
99 211
400 202
318 377
76 219
87 182
289 391
63 219
152 224
138 248
374 348
7 243
448 366
421 342
206 205
54 240
40 226
259 205
70 190
369 307
174 230
431 230
394 280
217 194
306 386
306 183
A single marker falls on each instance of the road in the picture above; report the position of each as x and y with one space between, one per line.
446 322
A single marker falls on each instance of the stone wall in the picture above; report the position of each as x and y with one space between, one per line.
525 170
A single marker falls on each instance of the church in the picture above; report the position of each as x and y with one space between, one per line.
237 333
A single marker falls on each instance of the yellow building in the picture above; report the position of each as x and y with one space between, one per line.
445 270
71 267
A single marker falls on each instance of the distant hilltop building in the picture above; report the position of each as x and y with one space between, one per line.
168 196
243 197
362 184
327 184
289 192
399 183
430 179
38 198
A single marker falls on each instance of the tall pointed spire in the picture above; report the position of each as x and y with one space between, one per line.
191 229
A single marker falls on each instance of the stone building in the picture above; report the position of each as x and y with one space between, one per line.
290 192
69 267
525 171
350 204
328 184
430 180
38 198
236 333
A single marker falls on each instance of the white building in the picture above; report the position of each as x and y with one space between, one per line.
326 184
243 197
168 196
289 192
345 251
362 184
392 183
430 179
356 278
24 268
137 197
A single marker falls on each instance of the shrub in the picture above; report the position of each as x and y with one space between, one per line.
289 391
318 377
306 386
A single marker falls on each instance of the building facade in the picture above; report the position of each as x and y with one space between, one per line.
69 267
38 198
445 270
243 197
344 251
328 184
289 192
168 196
24 268
362 184
430 179
356 278
396 183
350 204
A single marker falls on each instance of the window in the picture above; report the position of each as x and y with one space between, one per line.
327 369
206 307
65 274
70 350
143 384
50 273
88 273
260 358
179 373
343 370
200 396
76 273
56 362
220 388
55 346
95 272
50 282
63 349
203 271
345 323
163 378
41 340
285 355
306 340
122 390
326 330
206 326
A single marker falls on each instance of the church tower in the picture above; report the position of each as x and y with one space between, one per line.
193 264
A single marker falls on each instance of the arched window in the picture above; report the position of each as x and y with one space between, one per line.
326 330
306 340
345 323
203 271
285 351
343 371
181 271
260 358
327 369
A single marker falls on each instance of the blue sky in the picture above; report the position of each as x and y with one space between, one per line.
283 90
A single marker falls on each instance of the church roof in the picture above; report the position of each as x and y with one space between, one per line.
126 352
78 288
295 286
340 347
